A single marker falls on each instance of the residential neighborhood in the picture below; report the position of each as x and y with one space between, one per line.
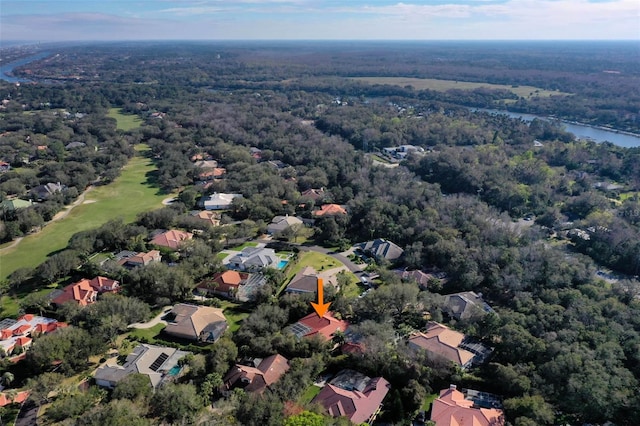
321 234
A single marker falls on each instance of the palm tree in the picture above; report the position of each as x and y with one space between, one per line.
7 378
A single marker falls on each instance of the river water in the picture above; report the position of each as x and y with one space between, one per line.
8 67
582 131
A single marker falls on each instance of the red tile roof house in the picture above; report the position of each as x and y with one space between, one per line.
224 284
330 210
18 398
257 379
354 396
451 408
85 292
171 239
313 325
18 333
81 292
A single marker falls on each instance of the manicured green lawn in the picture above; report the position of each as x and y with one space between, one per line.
426 404
318 261
221 256
354 288
379 158
626 195
245 245
309 394
147 333
234 315
124 198
125 122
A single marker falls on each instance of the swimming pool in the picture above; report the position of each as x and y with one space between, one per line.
282 264
175 370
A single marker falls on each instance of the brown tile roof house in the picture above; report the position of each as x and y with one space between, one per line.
354 396
442 341
192 322
257 379
465 305
282 223
305 281
223 283
330 210
451 408
313 194
422 278
171 239
214 173
312 325
141 259
210 217
206 164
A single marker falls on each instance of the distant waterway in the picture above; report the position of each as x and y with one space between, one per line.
7 68
582 131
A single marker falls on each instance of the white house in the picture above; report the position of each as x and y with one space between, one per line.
218 201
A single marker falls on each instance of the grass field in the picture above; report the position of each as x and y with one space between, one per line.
234 315
125 122
309 394
245 245
127 196
149 334
317 261
444 85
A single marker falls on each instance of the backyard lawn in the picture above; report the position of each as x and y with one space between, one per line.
234 315
243 246
102 203
309 394
149 334
318 261
124 122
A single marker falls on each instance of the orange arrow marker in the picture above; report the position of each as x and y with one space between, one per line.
321 308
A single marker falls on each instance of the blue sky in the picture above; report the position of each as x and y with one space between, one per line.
57 20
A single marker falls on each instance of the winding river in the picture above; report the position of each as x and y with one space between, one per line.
582 131
5 69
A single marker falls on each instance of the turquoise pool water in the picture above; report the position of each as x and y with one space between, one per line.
282 264
175 370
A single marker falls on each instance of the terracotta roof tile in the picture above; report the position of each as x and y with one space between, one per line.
330 209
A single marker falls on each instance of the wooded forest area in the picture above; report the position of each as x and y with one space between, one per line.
546 227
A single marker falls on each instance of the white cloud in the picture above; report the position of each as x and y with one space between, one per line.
316 19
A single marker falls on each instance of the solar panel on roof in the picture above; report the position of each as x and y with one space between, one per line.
159 361
300 329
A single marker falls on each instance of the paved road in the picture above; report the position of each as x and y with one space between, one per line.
28 414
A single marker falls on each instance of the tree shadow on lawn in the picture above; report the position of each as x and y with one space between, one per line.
153 181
